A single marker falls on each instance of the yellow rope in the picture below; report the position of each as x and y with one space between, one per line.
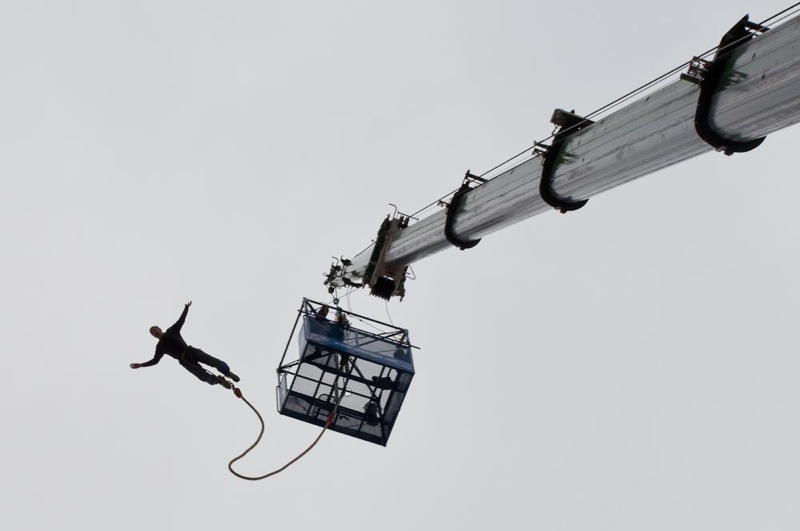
330 421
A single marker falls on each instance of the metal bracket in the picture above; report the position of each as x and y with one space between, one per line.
567 123
455 203
697 70
709 75
385 281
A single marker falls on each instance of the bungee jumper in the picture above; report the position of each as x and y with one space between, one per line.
172 343
363 376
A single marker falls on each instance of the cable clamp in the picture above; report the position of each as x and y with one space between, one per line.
709 76
696 71
567 123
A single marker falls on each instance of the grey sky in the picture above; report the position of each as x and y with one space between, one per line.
629 366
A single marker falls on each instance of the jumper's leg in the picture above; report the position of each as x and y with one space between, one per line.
201 374
207 359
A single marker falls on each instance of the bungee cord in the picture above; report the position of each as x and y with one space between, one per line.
330 420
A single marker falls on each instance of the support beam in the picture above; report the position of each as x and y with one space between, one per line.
759 94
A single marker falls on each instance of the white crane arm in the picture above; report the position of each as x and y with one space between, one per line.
758 93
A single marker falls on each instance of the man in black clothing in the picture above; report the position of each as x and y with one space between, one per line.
171 342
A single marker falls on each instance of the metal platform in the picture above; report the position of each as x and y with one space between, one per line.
368 361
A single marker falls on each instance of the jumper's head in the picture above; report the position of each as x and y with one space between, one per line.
156 332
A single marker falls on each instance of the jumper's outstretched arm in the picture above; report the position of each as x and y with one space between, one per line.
156 358
179 323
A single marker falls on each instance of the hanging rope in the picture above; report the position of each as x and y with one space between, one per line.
328 422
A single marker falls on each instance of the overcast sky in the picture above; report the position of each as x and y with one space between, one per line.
629 366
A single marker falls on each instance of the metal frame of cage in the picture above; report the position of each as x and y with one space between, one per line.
369 372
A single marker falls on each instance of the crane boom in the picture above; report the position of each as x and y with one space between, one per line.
758 93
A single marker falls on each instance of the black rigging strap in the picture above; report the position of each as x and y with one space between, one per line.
710 82
569 123
450 217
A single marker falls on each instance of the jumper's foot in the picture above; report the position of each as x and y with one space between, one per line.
223 382
232 376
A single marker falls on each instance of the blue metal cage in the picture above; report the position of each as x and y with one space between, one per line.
372 368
